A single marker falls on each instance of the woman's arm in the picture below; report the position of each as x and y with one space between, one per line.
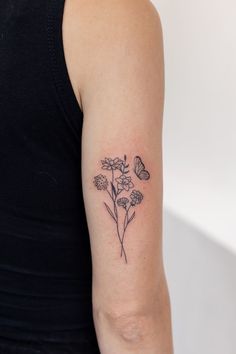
121 82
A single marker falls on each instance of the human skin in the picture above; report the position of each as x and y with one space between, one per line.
114 56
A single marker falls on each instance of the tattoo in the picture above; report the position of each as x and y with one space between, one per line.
139 169
118 183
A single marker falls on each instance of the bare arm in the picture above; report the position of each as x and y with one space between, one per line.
121 85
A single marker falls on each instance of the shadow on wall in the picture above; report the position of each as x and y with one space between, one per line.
202 284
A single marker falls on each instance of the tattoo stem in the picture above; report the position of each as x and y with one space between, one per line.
125 227
117 226
109 194
112 171
127 211
122 246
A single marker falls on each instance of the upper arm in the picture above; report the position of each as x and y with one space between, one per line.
121 87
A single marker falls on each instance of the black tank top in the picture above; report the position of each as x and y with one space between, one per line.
45 257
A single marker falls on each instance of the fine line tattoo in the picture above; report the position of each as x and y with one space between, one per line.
118 183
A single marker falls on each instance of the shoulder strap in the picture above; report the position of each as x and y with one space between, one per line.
64 89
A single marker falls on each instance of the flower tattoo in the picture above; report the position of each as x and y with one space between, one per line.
122 202
121 183
101 182
124 182
136 197
109 164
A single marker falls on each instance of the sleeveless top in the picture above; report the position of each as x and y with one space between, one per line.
45 256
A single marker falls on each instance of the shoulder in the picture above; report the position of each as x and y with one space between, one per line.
105 12
100 34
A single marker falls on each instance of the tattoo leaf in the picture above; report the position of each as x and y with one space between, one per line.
131 218
110 212
113 189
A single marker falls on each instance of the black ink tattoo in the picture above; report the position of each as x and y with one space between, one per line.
121 184
139 169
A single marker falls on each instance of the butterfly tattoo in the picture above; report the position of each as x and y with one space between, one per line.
139 169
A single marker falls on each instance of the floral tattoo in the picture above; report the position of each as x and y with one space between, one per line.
119 183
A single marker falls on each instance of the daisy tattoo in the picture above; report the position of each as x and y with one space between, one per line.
121 207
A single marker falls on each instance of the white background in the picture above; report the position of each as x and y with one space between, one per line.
199 143
200 113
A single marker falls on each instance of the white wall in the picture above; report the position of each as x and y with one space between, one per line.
200 114
202 285
200 172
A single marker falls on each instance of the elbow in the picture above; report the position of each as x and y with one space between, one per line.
137 325
130 328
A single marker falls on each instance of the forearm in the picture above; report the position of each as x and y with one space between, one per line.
142 332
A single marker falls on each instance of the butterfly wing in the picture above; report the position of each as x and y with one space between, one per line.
144 175
139 169
138 165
